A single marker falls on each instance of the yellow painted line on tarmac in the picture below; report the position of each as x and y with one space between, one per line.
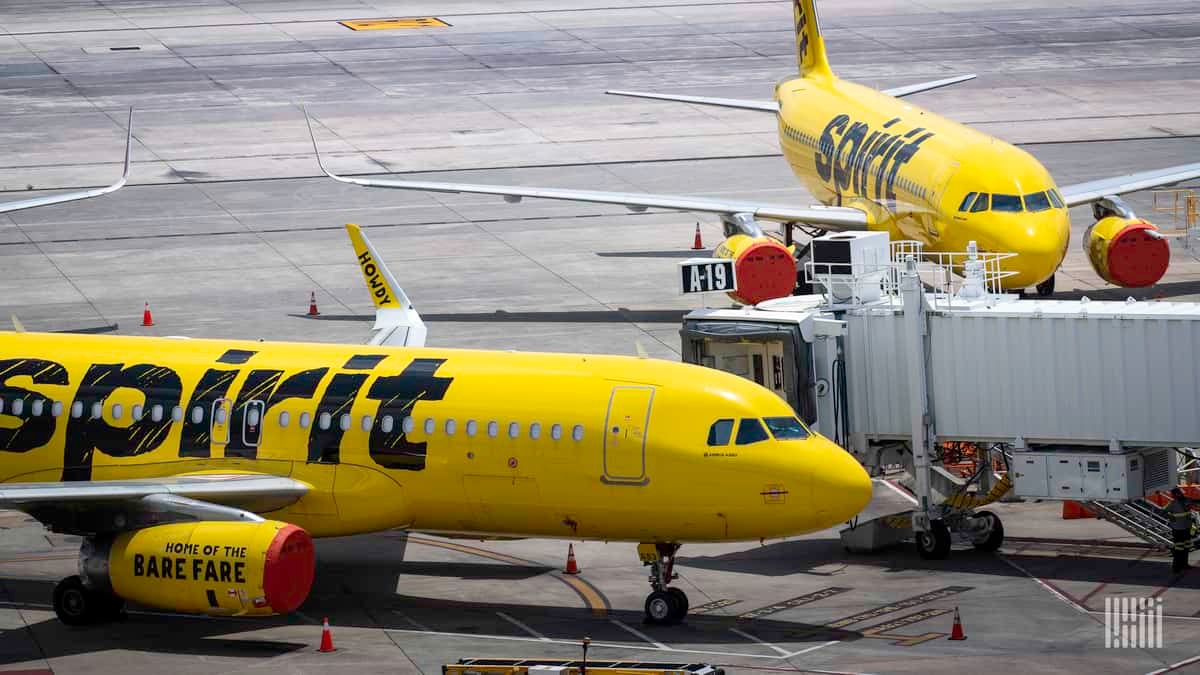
394 24
590 595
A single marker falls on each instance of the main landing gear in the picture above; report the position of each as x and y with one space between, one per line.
78 605
1046 288
665 604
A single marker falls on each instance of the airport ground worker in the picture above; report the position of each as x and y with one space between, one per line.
1180 512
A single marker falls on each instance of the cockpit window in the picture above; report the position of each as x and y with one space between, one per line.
981 204
1056 199
967 201
786 428
719 432
1008 203
750 430
1038 201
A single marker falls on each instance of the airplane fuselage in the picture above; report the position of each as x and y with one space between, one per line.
440 440
912 171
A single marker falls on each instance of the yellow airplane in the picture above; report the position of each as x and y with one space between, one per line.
880 163
197 471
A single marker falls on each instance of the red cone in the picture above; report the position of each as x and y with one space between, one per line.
697 244
572 567
312 305
147 318
956 633
326 637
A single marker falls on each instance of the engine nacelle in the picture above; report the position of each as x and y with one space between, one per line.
1127 252
765 269
206 567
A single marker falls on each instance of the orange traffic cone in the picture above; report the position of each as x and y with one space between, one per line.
956 633
697 243
312 304
326 637
572 567
147 318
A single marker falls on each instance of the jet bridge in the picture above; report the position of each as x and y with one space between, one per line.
903 352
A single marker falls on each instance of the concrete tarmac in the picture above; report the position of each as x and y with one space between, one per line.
227 227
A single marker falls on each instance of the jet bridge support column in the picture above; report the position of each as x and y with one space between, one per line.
917 331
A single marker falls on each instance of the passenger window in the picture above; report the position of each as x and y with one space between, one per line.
1056 199
1037 201
305 420
472 428
117 411
18 406
197 415
137 413
719 432
493 429
750 430
514 429
284 418
387 423
56 410
1006 203
786 428
97 410
451 426
367 422
77 409
577 432
430 425
344 422
981 204
556 432
324 421
535 430
252 417
177 414
407 425
1 405
37 408
156 413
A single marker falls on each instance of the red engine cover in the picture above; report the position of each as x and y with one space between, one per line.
765 270
1137 258
288 572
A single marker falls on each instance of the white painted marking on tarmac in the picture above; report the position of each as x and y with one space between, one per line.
1053 591
412 622
633 631
522 626
1174 666
759 641
575 643
813 648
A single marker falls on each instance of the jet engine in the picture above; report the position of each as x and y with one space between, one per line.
1127 251
764 268
205 567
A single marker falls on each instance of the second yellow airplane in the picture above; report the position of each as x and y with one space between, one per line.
878 162
197 471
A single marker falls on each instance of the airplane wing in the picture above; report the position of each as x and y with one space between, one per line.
17 205
834 218
90 506
773 106
1083 193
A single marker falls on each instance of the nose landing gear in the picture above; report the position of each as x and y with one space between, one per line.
665 604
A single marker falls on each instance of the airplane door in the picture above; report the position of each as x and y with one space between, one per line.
252 423
220 421
625 435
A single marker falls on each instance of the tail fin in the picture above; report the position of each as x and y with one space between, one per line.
396 322
810 47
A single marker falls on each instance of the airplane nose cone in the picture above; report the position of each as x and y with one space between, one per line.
1040 242
842 489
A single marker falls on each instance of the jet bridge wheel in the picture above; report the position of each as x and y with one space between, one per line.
934 543
995 533
77 605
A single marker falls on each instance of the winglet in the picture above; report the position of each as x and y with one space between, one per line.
396 321
317 152
18 327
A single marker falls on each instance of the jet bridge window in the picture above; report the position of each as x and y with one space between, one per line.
750 430
1006 203
1038 201
719 432
786 428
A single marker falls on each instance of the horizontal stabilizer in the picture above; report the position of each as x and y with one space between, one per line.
910 89
766 106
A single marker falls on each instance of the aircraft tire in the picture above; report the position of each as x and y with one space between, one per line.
660 607
680 604
74 604
995 537
934 543
1046 288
